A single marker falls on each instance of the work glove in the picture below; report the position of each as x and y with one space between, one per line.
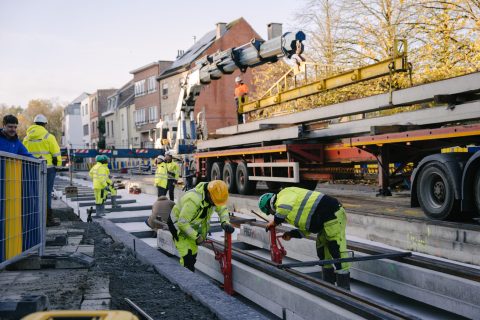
199 239
286 236
292 234
270 225
227 227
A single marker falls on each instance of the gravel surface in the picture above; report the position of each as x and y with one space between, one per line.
129 278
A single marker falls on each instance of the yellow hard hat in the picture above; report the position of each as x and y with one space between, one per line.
218 192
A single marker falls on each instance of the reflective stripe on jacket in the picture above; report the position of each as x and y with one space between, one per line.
188 215
99 174
161 176
42 144
173 170
297 206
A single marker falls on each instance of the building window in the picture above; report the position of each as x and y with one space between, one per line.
93 127
123 123
112 127
151 84
139 88
85 129
108 128
140 117
152 114
165 90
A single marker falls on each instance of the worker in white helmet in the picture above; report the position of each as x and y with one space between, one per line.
44 145
161 176
241 91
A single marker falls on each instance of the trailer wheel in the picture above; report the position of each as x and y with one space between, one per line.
193 172
229 172
476 188
435 193
308 184
216 173
244 184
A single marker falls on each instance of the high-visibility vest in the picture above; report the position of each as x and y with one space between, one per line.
161 176
99 174
42 144
297 205
187 217
173 170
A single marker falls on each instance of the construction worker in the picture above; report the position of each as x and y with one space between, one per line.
161 176
173 172
160 212
9 141
102 184
42 144
315 212
241 91
189 220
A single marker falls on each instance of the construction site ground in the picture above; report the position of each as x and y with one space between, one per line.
116 274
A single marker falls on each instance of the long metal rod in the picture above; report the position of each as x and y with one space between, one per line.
139 310
341 260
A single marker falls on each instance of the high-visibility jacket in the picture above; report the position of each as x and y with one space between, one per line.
42 144
173 170
241 90
191 215
297 206
161 176
100 176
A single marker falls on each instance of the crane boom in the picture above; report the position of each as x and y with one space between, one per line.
212 67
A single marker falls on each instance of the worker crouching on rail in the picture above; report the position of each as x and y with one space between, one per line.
189 220
313 212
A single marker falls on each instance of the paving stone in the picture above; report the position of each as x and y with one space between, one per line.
98 304
18 306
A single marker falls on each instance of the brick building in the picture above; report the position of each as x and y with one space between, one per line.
98 105
216 100
147 100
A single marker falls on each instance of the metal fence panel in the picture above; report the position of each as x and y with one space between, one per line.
22 207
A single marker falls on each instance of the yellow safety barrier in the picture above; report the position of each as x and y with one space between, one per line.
84 315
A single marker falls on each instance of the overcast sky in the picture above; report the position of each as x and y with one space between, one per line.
56 49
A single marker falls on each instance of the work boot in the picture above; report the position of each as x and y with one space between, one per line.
99 210
50 221
328 275
343 280
114 202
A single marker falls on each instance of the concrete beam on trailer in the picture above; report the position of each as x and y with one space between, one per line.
88 198
85 204
437 115
441 290
407 96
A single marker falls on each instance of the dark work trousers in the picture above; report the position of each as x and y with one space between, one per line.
189 261
51 173
171 188
161 191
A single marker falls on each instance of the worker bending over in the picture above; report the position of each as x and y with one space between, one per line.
173 173
43 145
189 220
315 212
102 185
161 176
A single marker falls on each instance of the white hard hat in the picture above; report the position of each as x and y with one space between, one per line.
40 118
160 157
238 79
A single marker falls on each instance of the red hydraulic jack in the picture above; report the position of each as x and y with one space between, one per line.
225 260
277 251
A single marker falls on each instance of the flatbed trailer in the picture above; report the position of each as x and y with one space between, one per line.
306 147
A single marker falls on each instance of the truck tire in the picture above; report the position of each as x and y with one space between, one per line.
244 185
217 170
193 171
229 172
476 192
308 184
435 192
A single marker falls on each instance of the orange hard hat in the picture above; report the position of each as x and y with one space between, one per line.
218 191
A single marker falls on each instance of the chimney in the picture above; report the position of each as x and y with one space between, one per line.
180 53
221 28
274 30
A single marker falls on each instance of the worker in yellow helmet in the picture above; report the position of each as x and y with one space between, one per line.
42 144
173 172
161 176
189 220
102 184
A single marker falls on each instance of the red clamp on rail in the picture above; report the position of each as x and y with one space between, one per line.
277 251
225 260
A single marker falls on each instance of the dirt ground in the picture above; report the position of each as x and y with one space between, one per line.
129 278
